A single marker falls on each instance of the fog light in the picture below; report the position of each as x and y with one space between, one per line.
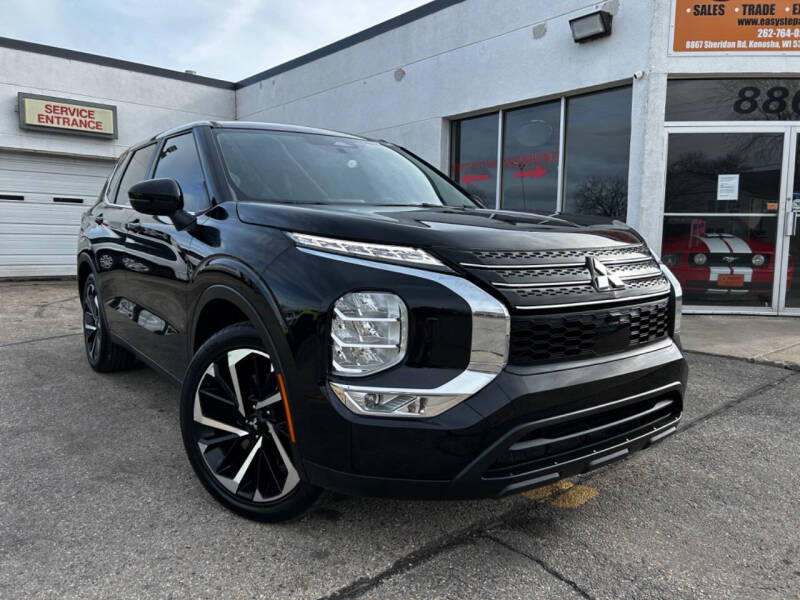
700 259
758 260
396 404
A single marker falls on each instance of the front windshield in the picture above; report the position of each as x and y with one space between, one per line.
305 168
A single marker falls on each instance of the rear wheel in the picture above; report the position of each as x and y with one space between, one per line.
104 355
236 429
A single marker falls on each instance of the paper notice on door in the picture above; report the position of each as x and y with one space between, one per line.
728 187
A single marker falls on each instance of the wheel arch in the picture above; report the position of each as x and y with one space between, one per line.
85 268
226 282
219 307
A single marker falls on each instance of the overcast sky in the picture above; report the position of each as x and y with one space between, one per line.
228 39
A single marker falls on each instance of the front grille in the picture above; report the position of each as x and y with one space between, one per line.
738 259
543 338
569 253
550 279
554 292
563 441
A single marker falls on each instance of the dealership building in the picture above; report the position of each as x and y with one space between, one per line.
680 118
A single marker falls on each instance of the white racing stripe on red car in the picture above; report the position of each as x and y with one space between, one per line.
714 244
728 244
737 245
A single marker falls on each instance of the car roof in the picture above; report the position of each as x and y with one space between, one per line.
251 125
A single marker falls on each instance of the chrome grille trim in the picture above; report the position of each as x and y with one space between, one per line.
614 261
602 253
551 284
594 302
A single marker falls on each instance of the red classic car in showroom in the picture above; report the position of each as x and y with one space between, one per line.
722 264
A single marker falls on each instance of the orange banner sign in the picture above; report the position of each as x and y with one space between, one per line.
736 26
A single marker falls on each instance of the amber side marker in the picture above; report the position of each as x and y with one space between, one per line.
286 407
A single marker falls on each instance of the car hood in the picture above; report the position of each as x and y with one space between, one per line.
443 227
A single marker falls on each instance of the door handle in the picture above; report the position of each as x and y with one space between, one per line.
98 219
134 227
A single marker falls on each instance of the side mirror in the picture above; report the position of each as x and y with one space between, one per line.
160 197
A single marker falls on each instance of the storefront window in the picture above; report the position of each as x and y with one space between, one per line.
549 166
733 100
721 206
475 156
598 139
530 157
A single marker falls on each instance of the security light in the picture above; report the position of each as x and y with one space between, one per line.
592 26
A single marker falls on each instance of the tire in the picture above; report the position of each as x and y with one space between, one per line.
236 431
104 355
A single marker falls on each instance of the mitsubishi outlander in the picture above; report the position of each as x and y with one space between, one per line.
340 315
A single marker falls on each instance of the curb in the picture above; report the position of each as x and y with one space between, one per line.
750 359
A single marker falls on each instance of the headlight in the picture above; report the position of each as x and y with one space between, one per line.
369 332
383 252
758 260
700 259
671 259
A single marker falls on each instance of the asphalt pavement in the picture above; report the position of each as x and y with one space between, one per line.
97 499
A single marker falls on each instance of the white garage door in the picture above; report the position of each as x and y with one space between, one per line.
41 201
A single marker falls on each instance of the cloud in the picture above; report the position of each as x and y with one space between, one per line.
228 39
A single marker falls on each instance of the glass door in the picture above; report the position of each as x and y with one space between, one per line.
789 293
723 209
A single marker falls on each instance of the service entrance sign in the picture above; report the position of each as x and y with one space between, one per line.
736 27
67 116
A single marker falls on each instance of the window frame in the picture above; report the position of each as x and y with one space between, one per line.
112 183
501 113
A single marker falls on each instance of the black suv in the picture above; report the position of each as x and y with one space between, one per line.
341 315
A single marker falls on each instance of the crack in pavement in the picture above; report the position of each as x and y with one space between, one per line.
40 307
408 562
43 339
482 529
736 401
543 565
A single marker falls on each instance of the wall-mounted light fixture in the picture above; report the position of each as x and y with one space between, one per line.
592 26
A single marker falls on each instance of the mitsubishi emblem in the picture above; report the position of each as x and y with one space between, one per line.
602 280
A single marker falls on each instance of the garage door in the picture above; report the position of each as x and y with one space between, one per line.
41 201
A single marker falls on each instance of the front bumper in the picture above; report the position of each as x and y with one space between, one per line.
529 427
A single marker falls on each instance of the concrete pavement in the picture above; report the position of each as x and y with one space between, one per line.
767 340
97 500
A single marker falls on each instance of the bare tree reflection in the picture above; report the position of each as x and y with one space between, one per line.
604 196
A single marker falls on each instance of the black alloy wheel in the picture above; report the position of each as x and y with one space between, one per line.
104 355
92 323
236 429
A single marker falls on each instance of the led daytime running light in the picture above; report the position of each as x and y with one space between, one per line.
404 254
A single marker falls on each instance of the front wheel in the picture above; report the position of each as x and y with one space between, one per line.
237 430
